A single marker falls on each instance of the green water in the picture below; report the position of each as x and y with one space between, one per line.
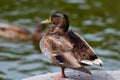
98 21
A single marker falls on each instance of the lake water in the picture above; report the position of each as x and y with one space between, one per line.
98 21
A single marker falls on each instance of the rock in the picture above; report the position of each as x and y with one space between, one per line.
77 75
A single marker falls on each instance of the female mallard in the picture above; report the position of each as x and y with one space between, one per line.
11 31
65 47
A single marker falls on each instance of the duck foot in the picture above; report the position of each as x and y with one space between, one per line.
59 76
62 75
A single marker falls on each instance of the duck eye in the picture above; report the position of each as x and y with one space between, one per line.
56 17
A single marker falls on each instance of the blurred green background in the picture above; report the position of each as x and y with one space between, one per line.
98 21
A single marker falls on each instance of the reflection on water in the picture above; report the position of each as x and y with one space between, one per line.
97 21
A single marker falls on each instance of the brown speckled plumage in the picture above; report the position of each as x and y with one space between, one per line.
65 47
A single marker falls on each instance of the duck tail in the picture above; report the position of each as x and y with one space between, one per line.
98 62
91 62
83 69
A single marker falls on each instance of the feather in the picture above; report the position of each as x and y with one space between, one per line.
83 69
88 62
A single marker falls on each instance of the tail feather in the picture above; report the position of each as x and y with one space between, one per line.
96 61
83 69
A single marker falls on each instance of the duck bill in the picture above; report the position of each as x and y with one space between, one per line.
48 21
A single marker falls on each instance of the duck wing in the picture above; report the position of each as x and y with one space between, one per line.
82 50
59 48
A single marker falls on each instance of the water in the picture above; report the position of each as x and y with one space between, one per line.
96 20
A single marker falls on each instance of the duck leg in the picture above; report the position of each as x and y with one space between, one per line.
62 75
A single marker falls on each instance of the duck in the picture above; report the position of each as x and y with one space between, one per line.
13 31
65 47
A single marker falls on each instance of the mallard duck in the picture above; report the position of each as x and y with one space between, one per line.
11 31
66 48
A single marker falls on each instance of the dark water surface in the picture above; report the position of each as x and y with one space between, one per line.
98 21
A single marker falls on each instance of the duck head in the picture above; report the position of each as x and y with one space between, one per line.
60 21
